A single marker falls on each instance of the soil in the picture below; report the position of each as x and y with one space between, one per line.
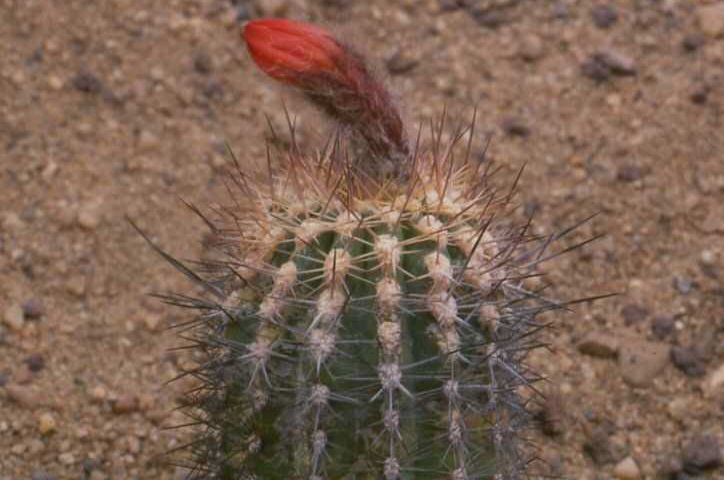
116 110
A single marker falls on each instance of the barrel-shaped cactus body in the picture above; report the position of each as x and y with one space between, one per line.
369 334
368 314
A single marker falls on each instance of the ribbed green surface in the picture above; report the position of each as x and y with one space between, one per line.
277 440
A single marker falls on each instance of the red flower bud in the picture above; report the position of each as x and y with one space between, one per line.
289 51
332 76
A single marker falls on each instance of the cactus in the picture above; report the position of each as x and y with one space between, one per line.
367 313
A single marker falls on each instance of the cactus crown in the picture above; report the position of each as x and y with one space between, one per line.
361 325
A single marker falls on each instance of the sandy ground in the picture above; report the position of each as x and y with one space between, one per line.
120 108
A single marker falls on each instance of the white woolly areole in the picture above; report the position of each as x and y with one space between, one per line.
388 334
388 295
440 271
388 253
444 308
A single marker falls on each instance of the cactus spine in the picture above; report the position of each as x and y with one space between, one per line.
363 322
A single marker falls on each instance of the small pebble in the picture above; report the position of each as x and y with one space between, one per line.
702 453
603 16
35 362
89 215
76 285
629 173
148 141
683 284
87 82
202 63
693 41
531 48
595 69
598 446
66 458
679 408
707 257
14 317
714 382
688 360
98 393
515 126
662 326
599 344
125 403
641 362
633 314
700 95
33 308
55 82
46 423
619 63
711 19
401 63
627 469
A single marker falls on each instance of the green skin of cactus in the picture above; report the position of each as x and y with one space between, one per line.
365 346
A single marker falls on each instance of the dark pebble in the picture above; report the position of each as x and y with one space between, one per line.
629 173
662 326
683 284
688 360
702 453
35 362
633 313
33 308
400 63
202 63
596 70
3 379
490 18
515 126
604 15
693 41
87 82
700 95
599 448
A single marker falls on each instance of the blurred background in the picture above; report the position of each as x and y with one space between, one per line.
122 108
